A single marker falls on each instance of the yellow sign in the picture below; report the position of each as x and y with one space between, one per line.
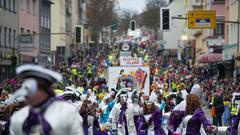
201 19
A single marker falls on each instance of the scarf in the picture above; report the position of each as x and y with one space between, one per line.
96 126
123 118
37 118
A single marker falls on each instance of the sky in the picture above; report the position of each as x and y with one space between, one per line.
135 5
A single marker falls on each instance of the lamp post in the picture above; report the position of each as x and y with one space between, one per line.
238 25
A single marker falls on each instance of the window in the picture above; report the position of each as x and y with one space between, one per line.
10 37
28 6
42 21
28 32
5 4
34 7
10 5
1 3
219 0
14 6
22 4
0 35
22 30
219 30
5 36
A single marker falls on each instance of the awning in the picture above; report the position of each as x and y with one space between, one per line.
210 58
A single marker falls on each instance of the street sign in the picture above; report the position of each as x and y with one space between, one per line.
131 61
201 19
26 43
26 39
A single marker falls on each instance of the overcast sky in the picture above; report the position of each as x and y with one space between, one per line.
135 5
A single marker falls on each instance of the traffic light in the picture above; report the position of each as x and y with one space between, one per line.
165 19
78 34
14 60
133 25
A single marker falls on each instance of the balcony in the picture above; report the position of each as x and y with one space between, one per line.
218 2
197 4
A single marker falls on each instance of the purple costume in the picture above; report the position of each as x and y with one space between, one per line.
155 119
233 129
96 127
194 123
175 120
36 118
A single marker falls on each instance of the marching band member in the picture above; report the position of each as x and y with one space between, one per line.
43 114
121 117
150 121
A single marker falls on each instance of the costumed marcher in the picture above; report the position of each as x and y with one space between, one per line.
233 128
194 118
43 114
179 110
150 120
105 106
90 120
137 109
122 116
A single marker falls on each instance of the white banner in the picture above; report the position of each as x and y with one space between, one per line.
130 77
131 61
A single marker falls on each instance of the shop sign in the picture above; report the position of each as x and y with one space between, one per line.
131 61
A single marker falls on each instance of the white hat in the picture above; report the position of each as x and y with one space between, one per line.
36 71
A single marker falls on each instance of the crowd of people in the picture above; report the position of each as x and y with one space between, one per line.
175 105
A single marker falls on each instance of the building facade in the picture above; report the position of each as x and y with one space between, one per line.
58 25
29 24
172 37
65 15
45 33
8 34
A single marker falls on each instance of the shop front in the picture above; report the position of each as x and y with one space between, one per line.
5 65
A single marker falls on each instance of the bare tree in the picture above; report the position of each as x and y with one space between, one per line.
99 14
124 21
151 14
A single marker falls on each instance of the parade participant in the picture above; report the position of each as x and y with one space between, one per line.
150 120
233 128
161 104
137 109
194 118
43 114
178 112
121 117
90 120
106 106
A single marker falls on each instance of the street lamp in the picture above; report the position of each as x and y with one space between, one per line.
184 37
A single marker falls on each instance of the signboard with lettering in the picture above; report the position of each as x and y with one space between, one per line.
131 61
26 43
202 19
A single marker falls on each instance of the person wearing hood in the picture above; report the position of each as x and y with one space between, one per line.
179 110
122 116
194 118
43 114
196 90
150 121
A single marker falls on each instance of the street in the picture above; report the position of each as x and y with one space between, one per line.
119 67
